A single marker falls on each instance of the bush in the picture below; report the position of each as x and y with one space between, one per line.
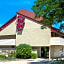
11 55
23 51
34 55
61 62
2 56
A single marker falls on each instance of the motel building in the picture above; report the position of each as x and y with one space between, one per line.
23 28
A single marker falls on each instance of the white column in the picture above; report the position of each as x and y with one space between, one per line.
49 52
39 51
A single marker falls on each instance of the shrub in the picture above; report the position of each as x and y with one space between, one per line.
11 55
2 56
61 62
34 55
23 51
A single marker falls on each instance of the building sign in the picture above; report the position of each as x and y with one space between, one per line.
20 23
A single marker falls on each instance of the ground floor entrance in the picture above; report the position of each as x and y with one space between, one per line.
52 51
45 52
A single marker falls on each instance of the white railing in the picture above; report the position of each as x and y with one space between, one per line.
56 41
7 42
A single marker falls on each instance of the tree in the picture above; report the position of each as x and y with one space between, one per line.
52 12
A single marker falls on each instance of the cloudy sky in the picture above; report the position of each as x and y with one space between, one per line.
8 9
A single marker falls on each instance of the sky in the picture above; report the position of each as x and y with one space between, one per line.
8 9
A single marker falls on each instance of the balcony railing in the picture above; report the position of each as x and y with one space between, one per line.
7 42
56 41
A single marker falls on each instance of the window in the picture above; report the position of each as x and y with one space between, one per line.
61 55
13 46
54 34
61 50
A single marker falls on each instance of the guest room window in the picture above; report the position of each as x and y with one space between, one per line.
13 46
61 50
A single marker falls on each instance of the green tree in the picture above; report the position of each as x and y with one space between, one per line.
52 12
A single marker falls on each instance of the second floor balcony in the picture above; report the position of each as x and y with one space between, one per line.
56 41
7 42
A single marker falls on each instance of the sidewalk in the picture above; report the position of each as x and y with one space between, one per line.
27 61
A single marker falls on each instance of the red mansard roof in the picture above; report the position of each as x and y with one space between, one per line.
27 14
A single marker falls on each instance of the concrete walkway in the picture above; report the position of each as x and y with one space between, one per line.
27 61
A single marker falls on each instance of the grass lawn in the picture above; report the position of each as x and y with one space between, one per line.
3 59
61 62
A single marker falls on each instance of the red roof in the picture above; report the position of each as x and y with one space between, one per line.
54 30
31 15
27 14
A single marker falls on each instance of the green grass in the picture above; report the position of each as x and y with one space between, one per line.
3 59
61 62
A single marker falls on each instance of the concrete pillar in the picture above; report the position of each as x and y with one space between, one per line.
39 51
49 52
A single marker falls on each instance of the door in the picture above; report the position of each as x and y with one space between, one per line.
45 52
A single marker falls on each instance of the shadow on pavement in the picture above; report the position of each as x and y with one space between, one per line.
41 62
